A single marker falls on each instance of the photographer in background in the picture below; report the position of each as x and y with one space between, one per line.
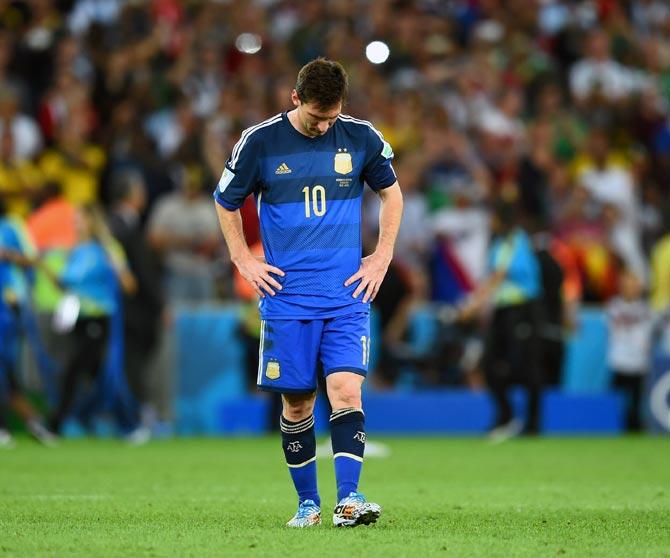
94 270
512 348
142 308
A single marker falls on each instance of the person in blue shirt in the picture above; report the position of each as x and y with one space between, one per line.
512 346
307 169
93 272
16 260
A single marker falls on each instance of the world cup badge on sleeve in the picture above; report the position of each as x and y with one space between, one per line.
272 371
343 164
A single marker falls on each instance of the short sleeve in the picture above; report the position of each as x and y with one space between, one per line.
241 173
503 254
378 172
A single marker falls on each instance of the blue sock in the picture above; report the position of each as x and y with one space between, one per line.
299 442
347 430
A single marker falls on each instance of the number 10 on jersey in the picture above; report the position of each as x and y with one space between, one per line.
318 201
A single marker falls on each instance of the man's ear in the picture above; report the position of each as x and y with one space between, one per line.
295 99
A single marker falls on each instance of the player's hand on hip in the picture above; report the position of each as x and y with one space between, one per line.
370 274
257 272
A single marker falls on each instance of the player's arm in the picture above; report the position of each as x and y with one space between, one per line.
482 295
240 178
373 267
255 271
380 176
15 257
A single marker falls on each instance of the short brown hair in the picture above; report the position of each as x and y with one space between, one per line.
322 82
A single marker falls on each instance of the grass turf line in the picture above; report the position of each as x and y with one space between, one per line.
441 497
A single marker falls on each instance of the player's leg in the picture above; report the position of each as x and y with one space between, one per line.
6 440
347 427
496 366
345 353
89 344
18 401
299 445
637 381
287 364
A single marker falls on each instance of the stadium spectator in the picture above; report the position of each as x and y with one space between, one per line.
512 347
630 322
172 130
597 77
52 229
16 257
142 308
26 137
8 77
86 13
561 293
607 177
403 289
20 179
184 229
93 272
66 96
74 162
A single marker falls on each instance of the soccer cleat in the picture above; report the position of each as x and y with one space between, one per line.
505 431
6 440
42 434
308 514
138 437
353 510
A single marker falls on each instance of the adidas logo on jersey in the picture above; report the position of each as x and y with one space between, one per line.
283 169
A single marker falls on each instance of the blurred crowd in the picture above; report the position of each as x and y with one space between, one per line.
557 110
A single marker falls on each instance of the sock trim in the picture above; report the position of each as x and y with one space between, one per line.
288 427
349 455
342 412
301 464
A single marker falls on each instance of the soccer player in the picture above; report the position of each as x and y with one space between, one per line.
307 168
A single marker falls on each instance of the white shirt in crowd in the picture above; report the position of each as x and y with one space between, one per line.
610 78
468 231
195 220
414 237
631 331
614 186
87 12
26 136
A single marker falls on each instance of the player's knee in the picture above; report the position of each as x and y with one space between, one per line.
346 394
298 409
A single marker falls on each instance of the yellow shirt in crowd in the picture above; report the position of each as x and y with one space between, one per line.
660 274
79 180
16 183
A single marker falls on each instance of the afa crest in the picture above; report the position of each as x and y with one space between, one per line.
272 371
343 164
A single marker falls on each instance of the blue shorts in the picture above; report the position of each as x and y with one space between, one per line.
290 350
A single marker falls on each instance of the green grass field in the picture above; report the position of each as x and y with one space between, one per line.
441 497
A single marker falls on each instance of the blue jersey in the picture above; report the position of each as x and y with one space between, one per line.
14 279
514 256
309 193
89 274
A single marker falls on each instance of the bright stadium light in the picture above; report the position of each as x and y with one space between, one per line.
248 43
377 52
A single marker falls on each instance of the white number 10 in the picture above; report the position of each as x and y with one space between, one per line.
365 343
318 201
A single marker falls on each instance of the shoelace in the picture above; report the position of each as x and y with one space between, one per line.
356 497
307 508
